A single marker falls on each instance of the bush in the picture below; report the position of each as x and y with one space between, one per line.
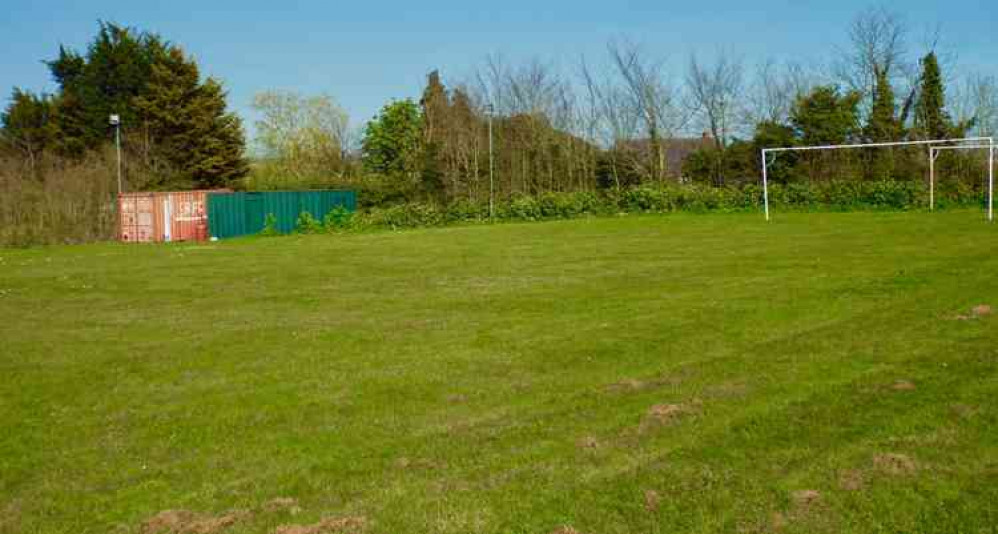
270 226
338 219
524 208
308 224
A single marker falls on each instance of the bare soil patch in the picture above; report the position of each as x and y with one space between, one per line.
327 525
903 385
894 464
565 530
981 310
805 500
10 517
667 414
652 500
187 522
588 442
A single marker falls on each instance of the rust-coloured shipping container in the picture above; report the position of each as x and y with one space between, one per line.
159 217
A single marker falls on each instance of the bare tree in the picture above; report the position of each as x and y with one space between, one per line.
774 90
877 45
609 119
975 101
652 99
714 91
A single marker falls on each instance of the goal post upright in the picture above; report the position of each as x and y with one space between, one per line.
991 182
765 183
934 154
981 142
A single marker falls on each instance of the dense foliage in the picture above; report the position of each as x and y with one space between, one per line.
835 195
175 126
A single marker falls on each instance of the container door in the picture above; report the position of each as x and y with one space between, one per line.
167 218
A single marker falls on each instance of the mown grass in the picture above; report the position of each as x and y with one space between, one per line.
688 373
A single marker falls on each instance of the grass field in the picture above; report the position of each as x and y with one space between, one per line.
688 373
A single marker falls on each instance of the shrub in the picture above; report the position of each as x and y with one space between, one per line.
270 226
524 208
308 224
338 219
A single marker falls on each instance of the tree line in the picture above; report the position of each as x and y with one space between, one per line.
632 118
627 119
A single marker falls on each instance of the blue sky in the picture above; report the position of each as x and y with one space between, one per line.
367 52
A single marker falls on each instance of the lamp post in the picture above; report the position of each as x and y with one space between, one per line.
116 122
490 111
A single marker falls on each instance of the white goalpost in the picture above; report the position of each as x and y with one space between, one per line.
947 144
934 153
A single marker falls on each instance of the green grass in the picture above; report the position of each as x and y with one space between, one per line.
499 379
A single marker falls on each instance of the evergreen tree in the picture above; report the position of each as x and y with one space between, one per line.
392 142
883 125
172 122
187 124
26 125
825 117
931 119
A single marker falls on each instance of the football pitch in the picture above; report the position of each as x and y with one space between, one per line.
832 372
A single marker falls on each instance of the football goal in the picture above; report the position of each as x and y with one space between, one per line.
935 145
934 152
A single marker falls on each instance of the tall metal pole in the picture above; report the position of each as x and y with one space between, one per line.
765 185
115 121
492 186
117 144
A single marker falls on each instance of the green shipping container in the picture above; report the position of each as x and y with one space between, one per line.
236 214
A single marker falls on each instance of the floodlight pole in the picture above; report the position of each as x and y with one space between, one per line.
991 182
490 110
116 122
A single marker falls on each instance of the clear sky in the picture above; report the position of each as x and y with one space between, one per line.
366 52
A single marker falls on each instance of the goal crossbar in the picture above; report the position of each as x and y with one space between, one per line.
988 143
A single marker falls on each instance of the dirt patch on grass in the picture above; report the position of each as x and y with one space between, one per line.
10 517
894 464
903 385
981 310
565 530
668 414
328 525
806 500
852 480
588 442
187 522
652 500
